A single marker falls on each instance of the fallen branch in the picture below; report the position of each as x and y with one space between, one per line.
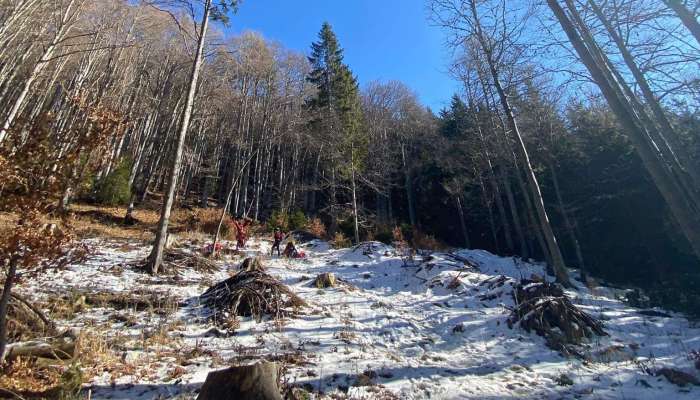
33 308
26 321
61 347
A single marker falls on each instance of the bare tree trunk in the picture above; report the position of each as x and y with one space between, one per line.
156 257
332 200
669 144
354 207
227 204
462 222
687 17
516 216
491 173
4 304
680 209
389 206
409 188
491 176
62 30
67 195
557 259
656 141
380 208
487 204
19 10
567 221
314 181
532 220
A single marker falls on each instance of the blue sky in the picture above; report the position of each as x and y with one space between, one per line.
383 39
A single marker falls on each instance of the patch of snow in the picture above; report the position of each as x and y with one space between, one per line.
431 329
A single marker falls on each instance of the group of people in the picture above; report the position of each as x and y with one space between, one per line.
290 250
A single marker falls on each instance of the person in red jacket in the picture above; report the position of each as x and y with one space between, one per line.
278 236
290 251
241 232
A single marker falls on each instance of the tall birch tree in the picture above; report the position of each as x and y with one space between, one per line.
217 12
491 31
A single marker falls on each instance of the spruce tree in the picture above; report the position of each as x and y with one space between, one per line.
326 60
337 118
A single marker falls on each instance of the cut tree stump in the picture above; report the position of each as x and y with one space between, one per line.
250 382
325 280
252 264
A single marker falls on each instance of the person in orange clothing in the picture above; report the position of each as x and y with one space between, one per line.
241 232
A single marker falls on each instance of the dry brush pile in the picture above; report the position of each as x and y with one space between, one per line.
250 293
176 261
543 307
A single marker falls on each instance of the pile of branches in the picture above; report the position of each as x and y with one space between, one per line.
544 308
250 293
176 261
183 260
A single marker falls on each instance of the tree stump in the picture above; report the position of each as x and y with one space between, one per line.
252 264
325 280
250 382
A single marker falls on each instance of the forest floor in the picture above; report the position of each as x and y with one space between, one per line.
431 328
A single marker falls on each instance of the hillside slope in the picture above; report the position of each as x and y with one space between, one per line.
434 328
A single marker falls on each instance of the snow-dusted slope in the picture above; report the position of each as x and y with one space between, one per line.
432 329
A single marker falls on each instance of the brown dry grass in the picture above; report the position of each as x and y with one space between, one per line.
24 377
92 221
206 220
107 222
424 241
43 378
98 354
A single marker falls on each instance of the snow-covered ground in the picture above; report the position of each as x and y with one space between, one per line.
432 329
